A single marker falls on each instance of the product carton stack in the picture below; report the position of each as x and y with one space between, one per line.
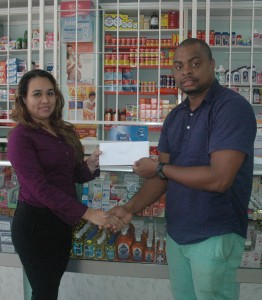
252 256
6 245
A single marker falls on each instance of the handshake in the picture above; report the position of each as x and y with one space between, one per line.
120 216
114 220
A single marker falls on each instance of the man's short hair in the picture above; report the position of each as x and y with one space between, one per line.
201 43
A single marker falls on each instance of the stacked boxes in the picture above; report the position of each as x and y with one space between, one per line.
12 69
2 72
6 245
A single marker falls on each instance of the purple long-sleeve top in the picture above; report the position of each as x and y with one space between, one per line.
46 172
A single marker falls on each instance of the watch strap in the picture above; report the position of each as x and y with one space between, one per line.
159 170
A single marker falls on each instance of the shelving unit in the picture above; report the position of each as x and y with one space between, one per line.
194 15
131 270
16 22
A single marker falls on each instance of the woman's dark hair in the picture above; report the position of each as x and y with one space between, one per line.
21 115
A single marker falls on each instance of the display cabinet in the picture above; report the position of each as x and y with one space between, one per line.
123 53
28 37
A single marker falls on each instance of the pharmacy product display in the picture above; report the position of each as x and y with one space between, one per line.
22 47
127 56
138 65
139 242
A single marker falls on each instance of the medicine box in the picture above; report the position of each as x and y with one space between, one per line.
7 248
5 237
5 223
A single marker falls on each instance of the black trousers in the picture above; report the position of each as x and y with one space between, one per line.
43 243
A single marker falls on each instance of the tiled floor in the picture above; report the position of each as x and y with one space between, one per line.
75 286
249 291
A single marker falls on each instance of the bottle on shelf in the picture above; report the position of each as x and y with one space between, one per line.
221 74
160 252
243 75
154 21
123 244
149 255
100 250
252 74
78 243
235 77
137 248
111 247
89 243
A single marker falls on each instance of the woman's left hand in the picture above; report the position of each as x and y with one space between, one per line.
93 160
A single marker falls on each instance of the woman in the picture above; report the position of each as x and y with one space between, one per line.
48 158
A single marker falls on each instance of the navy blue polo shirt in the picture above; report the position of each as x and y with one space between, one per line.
224 120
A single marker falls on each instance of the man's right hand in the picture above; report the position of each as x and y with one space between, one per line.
119 212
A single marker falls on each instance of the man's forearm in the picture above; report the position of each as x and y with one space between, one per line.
149 193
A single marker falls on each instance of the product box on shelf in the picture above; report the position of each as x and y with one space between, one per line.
5 223
128 133
7 248
115 21
85 21
251 259
86 131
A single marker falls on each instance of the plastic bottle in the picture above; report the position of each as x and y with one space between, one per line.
218 38
243 75
77 249
256 96
137 249
100 252
233 39
123 245
224 39
160 253
221 72
256 37
89 244
252 74
228 76
111 248
78 239
149 252
235 77
154 21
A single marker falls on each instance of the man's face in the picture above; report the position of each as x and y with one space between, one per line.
193 70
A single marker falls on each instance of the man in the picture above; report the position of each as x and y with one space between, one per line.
206 167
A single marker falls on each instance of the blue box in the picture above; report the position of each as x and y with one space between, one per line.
128 133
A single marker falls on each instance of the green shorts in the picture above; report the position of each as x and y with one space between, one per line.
205 270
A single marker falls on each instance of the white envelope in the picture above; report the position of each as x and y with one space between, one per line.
122 153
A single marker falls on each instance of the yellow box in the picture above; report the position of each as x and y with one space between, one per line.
114 21
164 21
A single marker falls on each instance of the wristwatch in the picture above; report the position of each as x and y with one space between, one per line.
159 170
